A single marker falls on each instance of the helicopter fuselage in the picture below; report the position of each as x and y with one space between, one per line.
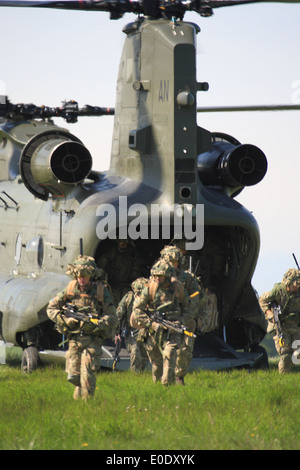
50 200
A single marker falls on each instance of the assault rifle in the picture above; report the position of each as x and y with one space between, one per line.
118 348
276 312
157 316
295 259
83 314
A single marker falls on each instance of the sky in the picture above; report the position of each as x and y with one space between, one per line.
248 54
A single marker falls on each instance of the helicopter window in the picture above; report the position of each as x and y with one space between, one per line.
40 253
18 249
35 250
185 192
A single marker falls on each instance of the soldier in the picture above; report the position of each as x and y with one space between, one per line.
123 265
174 256
86 293
138 354
208 315
286 295
162 344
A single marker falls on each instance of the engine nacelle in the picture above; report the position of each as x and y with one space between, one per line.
52 161
232 164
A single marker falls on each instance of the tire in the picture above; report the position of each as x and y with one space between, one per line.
30 359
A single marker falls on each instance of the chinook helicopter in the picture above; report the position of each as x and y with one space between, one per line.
50 195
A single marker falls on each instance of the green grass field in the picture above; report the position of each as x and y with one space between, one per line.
215 410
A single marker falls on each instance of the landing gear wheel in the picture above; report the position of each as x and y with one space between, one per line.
30 359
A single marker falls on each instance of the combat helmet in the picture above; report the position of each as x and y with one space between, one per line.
171 253
180 243
292 277
162 268
85 266
138 285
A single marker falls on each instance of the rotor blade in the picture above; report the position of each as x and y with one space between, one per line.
101 4
40 3
226 109
112 6
65 4
153 8
69 110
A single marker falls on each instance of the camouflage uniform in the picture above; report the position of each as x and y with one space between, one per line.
83 358
208 315
289 302
162 344
123 265
209 319
174 256
138 354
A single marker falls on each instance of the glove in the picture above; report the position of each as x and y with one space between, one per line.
189 323
110 321
155 326
71 323
143 320
101 325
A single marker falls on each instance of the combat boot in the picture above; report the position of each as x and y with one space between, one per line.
74 380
